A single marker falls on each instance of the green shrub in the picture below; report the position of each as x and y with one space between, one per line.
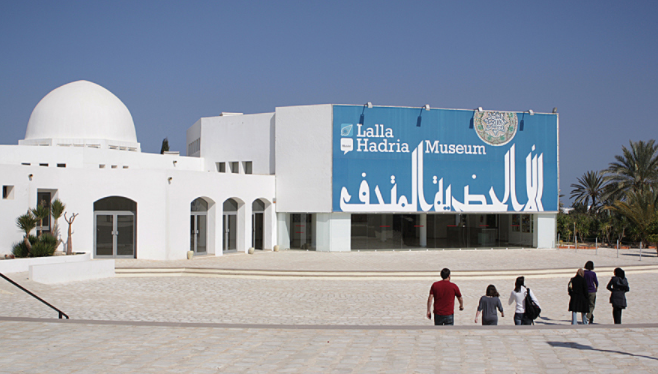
45 246
20 249
41 247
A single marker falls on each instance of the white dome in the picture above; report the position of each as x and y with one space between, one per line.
81 111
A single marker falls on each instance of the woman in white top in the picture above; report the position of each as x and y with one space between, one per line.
518 294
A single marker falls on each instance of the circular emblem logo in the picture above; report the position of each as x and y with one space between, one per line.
495 128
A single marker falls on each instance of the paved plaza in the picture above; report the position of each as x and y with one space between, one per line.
299 312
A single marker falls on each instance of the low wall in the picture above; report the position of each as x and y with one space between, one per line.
72 271
19 265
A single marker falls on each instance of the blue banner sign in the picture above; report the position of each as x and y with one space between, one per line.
388 159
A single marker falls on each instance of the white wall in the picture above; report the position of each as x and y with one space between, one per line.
238 138
333 232
163 207
192 134
92 158
546 229
304 158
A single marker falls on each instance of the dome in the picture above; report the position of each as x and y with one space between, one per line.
80 112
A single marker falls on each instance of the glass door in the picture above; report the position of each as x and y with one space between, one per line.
104 235
257 234
200 236
125 235
115 234
230 231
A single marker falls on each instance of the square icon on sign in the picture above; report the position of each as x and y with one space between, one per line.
346 145
346 129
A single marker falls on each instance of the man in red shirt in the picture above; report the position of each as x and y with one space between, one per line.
443 293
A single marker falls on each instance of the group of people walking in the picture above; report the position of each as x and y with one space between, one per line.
582 299
582 294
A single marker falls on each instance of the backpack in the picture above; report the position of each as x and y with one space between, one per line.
532 310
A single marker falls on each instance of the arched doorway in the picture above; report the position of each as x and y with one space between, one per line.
230 225
199 226
114 220
257 223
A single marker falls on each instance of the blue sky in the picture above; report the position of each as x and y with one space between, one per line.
172 62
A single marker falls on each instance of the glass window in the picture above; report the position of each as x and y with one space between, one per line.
405 231
61 165
221 167
8 192
302 235
247 167
235 167
230 205
115 203
199 205
258 206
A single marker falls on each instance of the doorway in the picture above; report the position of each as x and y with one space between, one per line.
114 220
257 225
230 225
199 226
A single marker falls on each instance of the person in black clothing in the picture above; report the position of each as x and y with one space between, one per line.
579 297
618 285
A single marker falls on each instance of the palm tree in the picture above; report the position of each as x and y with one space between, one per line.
589 190
40 213
640 207
27 222
57 209
636 169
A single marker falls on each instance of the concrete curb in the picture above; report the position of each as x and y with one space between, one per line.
374 275
324 327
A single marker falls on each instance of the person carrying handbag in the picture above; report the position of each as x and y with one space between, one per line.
518 295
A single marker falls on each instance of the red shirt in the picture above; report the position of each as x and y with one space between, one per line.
444 293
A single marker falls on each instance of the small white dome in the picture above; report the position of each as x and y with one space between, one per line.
81 111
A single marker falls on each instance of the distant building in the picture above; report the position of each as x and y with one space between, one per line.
320 177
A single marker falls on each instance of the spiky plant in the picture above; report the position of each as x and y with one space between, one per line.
56 210
27 222
41 212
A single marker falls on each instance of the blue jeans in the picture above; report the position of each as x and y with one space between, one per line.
444 320
574 318
520 319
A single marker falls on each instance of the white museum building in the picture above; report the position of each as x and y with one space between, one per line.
319 177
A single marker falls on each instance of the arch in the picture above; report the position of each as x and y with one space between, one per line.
115 228
202 226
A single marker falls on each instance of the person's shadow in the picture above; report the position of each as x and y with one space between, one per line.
547 321
590 348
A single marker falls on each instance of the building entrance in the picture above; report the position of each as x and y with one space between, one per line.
257 223
230 225
114 220
440 231
199 226
301 235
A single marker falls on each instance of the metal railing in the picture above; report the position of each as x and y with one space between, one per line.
34 296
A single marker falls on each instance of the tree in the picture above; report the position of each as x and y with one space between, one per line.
588 190
57 209
165 146
27 222
640 207
635 169
41 212
69 240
